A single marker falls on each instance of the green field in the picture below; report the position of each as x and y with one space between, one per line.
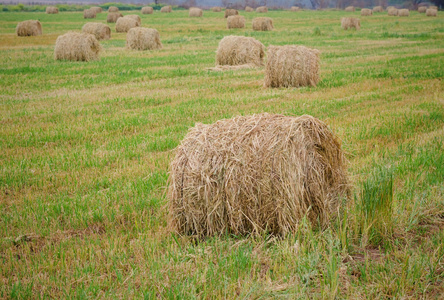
85 149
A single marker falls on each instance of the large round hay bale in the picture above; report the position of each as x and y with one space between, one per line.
295 8
262 9
113 9
262 24
112 17
291 66
403 12
147 10
389 7
230 12
433 7
235 22
249 9
350 8
29 28
166 9
97 9
240 50
99 30
347 23
422 9
89 14
124 24
195 12
216 9
378 9
141 38
52 10
77 46
136 18
255 175
431 12
392 11
366 12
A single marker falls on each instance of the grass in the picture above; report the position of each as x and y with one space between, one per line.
85 149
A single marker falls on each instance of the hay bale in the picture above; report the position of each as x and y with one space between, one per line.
347 23
136 18
393 12
256 174
378 9
113 9
433 7
350 8
29 28
52 10
240 50
89 14
295 8
124 24
97 9
403 12
195 12
140 38
262 24
166 9
291 65
77 46
147 10
112 17
249 9
366 12
422 9
431 12
99 30
216 9
235 22
262 9
230 12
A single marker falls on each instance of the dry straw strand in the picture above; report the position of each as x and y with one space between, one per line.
366 12
147 10
347 23
235 22
99 30
216 9
350 8
52 10
256 174
29 28
195 12
140 38
124 24
262 9
230 12
431 12
249 9
291 66
77 46
262 24
89 13
240 50
113 9
403 12
112 17
166 9
392 12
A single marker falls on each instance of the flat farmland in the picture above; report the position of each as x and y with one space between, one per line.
85 149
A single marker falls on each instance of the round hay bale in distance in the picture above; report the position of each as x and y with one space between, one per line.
77 46
262 24
147 10
262 9
141 38
350 9
422 9
124 24
392 11
291 66
240 50
249 9
195 12
29 28
254 175
347 23
295 8
403 12
366 12
216 9
433 7
97 9
235 22
113 9
89 13
99 30
230 12
431 12
378 9
52 10
166 9
112 17
136 18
